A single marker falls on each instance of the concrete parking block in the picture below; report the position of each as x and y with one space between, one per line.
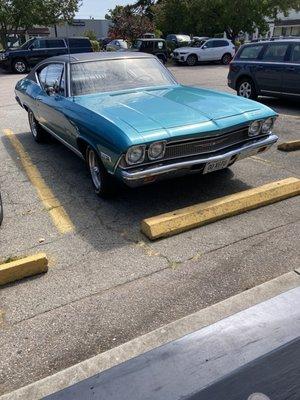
174 222
22 268
289 146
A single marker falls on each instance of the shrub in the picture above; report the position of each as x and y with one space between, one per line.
95 45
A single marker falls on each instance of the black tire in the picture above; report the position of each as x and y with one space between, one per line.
191 60
19 66
38 133
103 183
225 60
246 88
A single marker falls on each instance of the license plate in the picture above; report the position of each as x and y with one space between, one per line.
216 165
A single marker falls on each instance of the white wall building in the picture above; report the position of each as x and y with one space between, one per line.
79 26
286 26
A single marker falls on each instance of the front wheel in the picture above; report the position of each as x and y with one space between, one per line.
103 183
19 66
191 60
38 133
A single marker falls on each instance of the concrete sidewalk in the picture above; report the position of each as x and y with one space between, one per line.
231 339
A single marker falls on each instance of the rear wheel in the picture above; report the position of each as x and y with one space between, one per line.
103 183
38 133
246 88
191 60
226 59
19 66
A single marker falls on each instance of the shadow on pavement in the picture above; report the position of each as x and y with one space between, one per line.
120 216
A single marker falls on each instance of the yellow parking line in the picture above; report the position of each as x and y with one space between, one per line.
169 224
57 212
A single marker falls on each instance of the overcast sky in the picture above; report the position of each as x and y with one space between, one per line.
97 8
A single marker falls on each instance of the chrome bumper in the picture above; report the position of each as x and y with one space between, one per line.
192 165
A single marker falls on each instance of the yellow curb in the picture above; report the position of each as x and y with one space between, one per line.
289 146
169 224
28 266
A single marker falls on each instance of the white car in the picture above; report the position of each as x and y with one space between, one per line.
207 50
117 44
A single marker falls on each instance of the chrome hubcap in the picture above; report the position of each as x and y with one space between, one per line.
245 90
32 123
94 169
20 66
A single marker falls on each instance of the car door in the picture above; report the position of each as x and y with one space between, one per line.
52 103
207 51
291 72
268 71
37 52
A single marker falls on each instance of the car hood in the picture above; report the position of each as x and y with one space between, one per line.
187 49
174 110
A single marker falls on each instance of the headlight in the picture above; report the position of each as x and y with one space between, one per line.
254 128
135 155
156 150
267 125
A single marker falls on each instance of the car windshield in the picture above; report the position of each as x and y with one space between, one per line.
119 74
27 44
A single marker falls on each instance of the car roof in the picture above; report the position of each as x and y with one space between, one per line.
151 39
273 41
98 56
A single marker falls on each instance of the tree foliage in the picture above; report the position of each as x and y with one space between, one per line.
28 13
215 16
128 23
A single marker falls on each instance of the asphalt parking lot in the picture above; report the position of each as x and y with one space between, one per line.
107 283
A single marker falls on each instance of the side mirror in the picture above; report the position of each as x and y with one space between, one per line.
30 47
204 47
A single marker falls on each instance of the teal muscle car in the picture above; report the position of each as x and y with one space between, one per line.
125 114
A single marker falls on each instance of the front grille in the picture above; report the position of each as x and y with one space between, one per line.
207 145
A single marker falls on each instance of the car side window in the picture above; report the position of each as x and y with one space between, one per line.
209 44
55 43
250 52
51 79
295 56
275 52
220 43
39 44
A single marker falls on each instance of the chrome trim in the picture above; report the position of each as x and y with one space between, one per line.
285 93
131 176
76 151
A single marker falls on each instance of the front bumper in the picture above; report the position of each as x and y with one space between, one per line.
196 164
5 64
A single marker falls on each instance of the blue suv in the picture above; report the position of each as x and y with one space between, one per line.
269 68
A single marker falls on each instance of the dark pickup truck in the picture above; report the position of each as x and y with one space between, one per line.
21 59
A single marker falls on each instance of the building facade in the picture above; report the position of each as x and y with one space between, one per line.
79 26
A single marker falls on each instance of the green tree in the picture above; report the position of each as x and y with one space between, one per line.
28 13
214 16
128 23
